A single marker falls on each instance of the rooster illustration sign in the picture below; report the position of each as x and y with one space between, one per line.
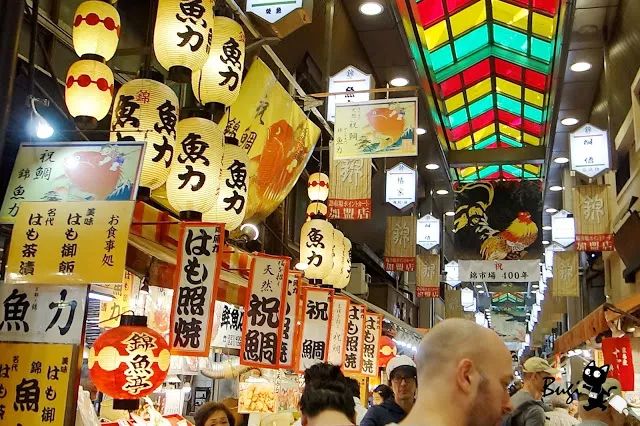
498 220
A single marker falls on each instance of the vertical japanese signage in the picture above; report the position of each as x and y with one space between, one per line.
350 189
589 151
355 338
346 82
591 211
227 325
566 280
338 331
618 354
400 244
69 242
563 230
453 303
401 186
428 232
316 319
35 384
428 276
264 312
195 286
372 333
110 312
290 319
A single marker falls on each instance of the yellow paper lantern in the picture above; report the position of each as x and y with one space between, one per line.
219 80
346 265
89 90
147 110
316 248
316 210
335 276
193 181
183 34
232 193
96 29
318 189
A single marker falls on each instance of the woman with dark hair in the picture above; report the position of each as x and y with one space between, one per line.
326 399
382 393
214 414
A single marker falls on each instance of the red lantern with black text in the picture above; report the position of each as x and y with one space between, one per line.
129 362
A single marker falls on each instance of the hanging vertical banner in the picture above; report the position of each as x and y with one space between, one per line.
264 311
347 81
566 279
290 320
400 244
355 339
453 303
338 331
350 189
401 186
195 286
316 320
428 231
591 213
618 354
589 151
372 333
428 276
227 325
110 311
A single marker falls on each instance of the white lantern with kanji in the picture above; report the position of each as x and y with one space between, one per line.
96 29
318 189
337 258
346 265
316 248
89 91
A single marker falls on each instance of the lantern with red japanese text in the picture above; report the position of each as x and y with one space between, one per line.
388 350
318 189
316 248
96 29
88 92
128 362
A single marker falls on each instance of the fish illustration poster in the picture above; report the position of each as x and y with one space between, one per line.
73 171
374 129
499 220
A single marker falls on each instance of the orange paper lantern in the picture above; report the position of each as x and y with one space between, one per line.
388 350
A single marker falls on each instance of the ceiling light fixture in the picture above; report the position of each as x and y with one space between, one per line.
561 160
450 213
420 131
580 67
569 121
545 243
551 210
442 192
547 228
371 8
432 166
556 188
399 82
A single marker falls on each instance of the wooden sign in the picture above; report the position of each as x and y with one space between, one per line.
566 274
428 276
400 244
591 214
350 189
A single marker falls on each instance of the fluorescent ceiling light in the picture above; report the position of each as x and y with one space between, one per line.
569 121
547 228
371 8
581 67
561 160
551 210
442 192
399 82
450 213
432 166
555 188
420 131
545 242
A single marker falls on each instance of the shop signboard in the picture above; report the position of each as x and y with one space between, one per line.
355 339
36 382
372 333
264 311
453 303
42 313
289 328
78 242
400 244
589 151
72 171
316 321
338 331
618 355
591 209
376 129
428 276
227 325
110 311
195 286
346 82
452 273
566 275
428 232
273 10
350 189
493 271
563 230
401 186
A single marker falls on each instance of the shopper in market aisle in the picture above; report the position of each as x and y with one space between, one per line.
214 414
354 387
463 374
326 399
403 378
598 416
528 409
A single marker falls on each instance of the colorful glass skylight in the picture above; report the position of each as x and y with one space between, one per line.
497 172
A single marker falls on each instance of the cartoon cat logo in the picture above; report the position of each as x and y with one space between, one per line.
594 377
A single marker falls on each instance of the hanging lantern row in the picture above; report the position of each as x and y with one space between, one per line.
316 210
96 29
318 187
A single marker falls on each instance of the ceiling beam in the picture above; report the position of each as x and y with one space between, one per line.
529 154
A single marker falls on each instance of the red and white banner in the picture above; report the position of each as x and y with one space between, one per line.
338 332
372 333
316 320
358 209
290 320
355 339
617 353
195 287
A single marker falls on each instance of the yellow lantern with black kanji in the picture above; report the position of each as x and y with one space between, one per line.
316 248
345 276
219 80
318 187
96 29
337 258
182 36
89 91
231 203
147 110
316 210
193 181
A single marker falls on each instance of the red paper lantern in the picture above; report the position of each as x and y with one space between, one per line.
128 362
388 350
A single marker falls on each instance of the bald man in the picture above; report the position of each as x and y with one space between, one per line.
463 374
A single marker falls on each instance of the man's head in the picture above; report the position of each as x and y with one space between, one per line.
608 415
403 378
461 361
537 372
354 386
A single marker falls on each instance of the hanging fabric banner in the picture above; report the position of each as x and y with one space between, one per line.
290 320
316 320
400 244
428 276
355 339
591 214
195 287
566 279
499 270
372 333
350 189
264 311
338 333
618 354
453 303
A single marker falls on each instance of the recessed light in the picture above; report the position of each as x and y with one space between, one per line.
556 188
581 67
420 131
432 166
399 82
481 292
478 285
547 228
545 242
371 8
561 160
442 192
450 213
569 121
551 210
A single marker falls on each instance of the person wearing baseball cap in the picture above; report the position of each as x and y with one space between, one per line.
403 380
528 409
598 416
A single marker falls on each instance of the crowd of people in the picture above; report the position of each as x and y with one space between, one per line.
461 377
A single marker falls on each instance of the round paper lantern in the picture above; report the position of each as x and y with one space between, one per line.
316 210
146 110
182 36
346 265
318 189
96 29
88 92
192 184
316 248
219 80
388 350
128 362
231 204
337 258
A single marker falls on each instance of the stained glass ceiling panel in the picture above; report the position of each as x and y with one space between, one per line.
497 172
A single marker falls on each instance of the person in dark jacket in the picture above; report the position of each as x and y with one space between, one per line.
403 379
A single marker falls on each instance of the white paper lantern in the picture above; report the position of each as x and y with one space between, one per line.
318 189
146 110
96 29
231 203
316 248
219 80
89 89
335 276
316 210
346 266
192 184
